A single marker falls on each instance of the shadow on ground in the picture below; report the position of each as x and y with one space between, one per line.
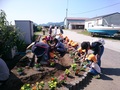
13 83
111 71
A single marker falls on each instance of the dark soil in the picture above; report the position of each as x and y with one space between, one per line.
32 76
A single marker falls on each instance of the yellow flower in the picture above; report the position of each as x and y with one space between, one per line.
28 85
42 82
37 83
22 88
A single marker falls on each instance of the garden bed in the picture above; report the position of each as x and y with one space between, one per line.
31 76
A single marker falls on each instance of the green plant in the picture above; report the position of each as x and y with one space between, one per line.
26 87
39 85
67 71
19 69
53 83
74 66
62 79
76 58
37 65
9 36
52 62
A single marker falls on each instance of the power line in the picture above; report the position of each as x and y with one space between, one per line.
96 9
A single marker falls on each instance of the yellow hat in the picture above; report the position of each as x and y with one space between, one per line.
92 58
80 50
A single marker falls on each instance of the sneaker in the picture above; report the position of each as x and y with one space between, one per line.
96 76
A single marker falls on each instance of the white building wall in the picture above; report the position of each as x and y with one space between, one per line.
26 28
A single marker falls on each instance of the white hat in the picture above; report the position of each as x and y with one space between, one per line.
100 40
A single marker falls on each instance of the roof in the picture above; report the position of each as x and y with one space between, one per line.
104 16
76 18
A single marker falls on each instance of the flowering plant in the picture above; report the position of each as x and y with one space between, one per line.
74 66
76 58
52 62
53 83
26 87
62 78
38 86
67 71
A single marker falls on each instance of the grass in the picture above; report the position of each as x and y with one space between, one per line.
85 32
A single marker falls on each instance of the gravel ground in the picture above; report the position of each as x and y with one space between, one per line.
110 78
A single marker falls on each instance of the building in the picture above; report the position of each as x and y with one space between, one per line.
26 28
74 23
104 20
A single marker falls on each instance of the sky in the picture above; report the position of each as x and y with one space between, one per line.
44 11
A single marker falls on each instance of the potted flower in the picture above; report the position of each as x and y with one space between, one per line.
20 71
26 87
67 72
37 66
62 79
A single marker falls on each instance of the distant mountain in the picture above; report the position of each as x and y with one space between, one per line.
53 24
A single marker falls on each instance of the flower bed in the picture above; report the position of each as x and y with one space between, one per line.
31 76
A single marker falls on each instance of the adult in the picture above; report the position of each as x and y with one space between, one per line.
55 31
61 30
97 46
60 47
50 30
4 72
41 50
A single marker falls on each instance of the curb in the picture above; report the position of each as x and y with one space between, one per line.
80 83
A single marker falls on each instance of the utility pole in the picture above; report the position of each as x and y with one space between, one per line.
66 14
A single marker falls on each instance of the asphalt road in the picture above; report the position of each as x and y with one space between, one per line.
110 79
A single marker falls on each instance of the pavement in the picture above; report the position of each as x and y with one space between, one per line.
109 44
110 78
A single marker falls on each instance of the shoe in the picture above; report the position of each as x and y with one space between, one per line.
96 76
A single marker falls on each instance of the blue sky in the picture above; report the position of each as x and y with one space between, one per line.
43 11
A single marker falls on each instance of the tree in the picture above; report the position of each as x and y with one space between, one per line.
9 36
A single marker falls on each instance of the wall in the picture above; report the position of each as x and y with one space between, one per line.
26 28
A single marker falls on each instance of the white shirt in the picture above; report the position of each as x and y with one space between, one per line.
4 71
96 67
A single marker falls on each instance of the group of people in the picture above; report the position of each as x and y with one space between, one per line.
54 42
45 48
96 46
